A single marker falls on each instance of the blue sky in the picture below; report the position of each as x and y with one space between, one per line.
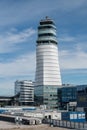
18 34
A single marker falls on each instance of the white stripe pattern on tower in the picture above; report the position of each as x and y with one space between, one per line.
47 63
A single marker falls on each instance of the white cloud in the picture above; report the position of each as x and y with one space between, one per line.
66 39
73 55
8 40
73 60
7 87
22 66
19 36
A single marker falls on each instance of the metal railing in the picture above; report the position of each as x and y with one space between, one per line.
66 124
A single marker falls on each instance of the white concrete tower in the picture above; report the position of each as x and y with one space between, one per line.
47 63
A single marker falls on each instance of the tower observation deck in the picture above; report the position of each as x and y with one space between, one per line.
47 63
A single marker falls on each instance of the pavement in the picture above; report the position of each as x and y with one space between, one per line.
11 126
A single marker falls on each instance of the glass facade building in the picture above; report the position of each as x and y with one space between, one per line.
47 95
82 96
66 94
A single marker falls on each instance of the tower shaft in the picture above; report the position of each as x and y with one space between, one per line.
47 63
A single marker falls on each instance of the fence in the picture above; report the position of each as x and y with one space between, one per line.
66 124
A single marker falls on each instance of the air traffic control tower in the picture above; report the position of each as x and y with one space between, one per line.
48 77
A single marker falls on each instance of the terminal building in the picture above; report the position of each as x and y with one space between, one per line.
67 97
25 89
48 77
82 97
73 97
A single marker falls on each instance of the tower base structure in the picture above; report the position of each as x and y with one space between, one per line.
47 95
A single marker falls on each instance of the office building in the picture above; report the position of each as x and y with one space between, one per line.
67 97
82 98
25 89
48 77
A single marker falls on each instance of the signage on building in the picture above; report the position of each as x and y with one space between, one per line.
72 103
